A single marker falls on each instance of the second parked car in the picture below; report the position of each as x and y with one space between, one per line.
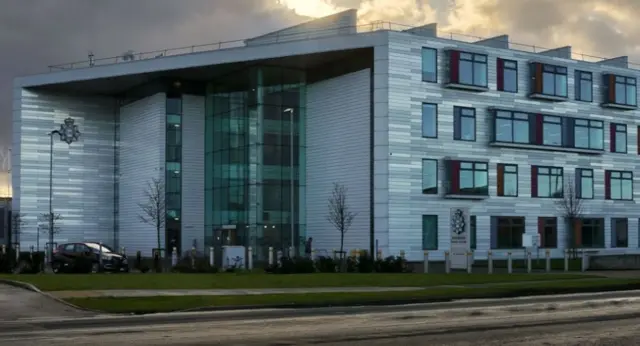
101 257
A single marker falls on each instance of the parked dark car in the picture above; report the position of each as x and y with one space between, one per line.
65 256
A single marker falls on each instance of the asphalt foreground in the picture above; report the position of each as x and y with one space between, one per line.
581 319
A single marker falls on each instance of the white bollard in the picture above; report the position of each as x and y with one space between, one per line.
123 251
3 249
528 261
291 252
379 254
585 261
469 261
100 258
249 258
509 263
212 261
31 252
174 256
270 255
547 254
490 261
279 258
18 253
566 260
447 262
426 262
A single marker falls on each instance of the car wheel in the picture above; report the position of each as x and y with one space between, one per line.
55 267
95 268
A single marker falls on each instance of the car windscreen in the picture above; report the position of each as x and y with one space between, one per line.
96 247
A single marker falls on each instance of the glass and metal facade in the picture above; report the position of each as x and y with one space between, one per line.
173 170
254 159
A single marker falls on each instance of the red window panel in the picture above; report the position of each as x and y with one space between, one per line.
607 184
539 129
577 232
541 231
638 144
537 78
500 74
454 66
454 167
612 137
534 181
500 180
611 84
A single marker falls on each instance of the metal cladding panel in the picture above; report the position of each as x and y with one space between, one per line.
142 158
83 172
193 171
407 148
338 150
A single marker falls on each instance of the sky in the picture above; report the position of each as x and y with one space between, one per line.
37 33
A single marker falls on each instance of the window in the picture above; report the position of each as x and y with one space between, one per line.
548 231
584 86
429 176
429 232
468 178
590 232
473 232
468 69
429 120
548 80
507 232
618 138
588 134
507 180
619 232
551 131
429 65
584 183
618 185
512 127
620 90
464 124
546 182
507 71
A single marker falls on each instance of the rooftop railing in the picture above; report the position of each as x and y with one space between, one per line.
307 35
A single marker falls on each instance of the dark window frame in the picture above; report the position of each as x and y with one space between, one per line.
514 228
578 78
435 129
546 119
615 132
610 176
615 239
579 176
435 234
435 65
458 115
555 71
474 169
514 117
502 169
501 74
626 82
550 175
473 232
431 190
475 59
590 125
545 241
596 227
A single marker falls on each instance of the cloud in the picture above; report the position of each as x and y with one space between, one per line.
34 34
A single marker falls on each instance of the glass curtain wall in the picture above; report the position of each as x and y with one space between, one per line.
254 157
173 172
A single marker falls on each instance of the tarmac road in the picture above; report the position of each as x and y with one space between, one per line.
586 322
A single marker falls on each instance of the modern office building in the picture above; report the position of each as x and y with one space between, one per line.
444 145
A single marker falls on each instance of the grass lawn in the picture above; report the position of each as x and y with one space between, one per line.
72 282
176 303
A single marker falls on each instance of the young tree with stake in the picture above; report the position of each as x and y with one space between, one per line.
571 207
153 211
340 216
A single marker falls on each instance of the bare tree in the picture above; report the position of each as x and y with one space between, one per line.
17 221
570 205
153 211
339 214
50 220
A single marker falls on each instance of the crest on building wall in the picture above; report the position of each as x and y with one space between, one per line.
457 222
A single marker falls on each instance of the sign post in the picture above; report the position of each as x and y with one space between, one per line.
460 245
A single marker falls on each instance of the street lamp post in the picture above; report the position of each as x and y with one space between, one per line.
68 133
291 176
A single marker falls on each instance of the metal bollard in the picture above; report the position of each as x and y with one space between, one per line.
379 254
123 251
212 260
490 260
292 252
279 255
3 249
31 253
509 263
249 258
100 258
426 262
547 266
528 261
585 261
566 260
174 256
447 262
17 253
193 257
270 255
469 261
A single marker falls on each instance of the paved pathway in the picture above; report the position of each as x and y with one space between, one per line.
17 303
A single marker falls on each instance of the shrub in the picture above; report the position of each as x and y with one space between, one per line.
199 265
326 265
297 265
392 264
